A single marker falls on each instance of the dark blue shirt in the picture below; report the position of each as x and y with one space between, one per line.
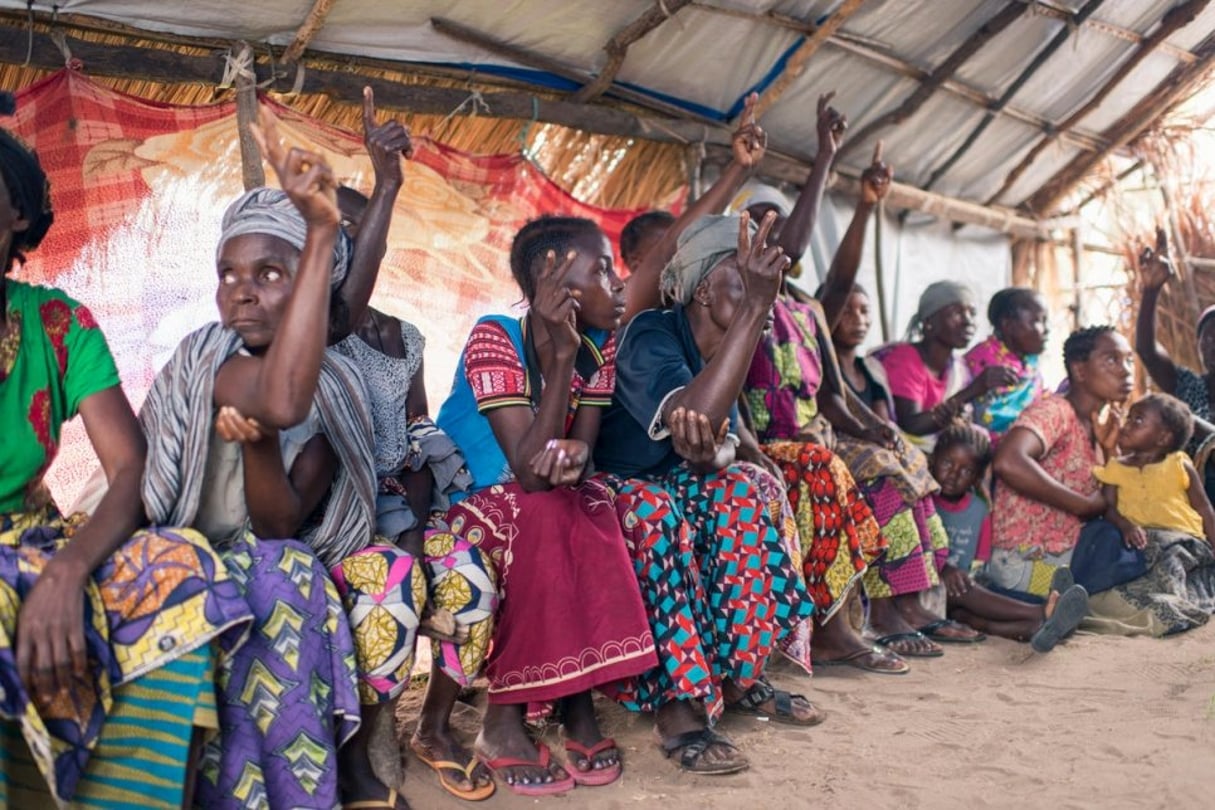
656 355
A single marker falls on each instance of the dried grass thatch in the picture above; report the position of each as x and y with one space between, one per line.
603 170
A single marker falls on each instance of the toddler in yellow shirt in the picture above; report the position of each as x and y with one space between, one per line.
1153 484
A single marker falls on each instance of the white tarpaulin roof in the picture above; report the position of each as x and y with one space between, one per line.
705 61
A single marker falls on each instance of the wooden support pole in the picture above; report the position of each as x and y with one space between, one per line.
988 31
1173 20
1038 61
308 30
801 57
618 46
1172 90
252 172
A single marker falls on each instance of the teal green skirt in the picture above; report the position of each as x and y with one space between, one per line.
141 756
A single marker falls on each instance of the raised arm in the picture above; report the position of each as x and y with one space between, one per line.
749 142
527 439
277 388
795 234
841 277
1155 270
385 143
1017 465
714 390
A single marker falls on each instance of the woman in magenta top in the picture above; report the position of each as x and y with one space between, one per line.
928 379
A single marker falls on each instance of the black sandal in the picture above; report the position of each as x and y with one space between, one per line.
694 744
761 692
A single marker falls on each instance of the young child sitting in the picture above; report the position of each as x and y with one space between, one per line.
959 463
1153 484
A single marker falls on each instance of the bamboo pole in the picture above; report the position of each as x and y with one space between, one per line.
308 30
1041 58
1173 89
798 61
618 47
1173 20
932 82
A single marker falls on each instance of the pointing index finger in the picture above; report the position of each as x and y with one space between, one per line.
368 109
748 118
877 151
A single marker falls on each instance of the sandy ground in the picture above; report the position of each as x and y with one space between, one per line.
1101 722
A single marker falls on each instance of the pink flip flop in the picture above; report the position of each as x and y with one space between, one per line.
547 789
592 777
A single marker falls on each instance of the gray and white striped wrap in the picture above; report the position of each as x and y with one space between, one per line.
177 419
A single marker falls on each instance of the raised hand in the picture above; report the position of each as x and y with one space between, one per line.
761 267
556 305
1155 269
749 141
876 180
693 437
561 462
304 175
385 143
831 125
232 426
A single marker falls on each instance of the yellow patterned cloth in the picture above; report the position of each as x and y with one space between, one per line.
385 590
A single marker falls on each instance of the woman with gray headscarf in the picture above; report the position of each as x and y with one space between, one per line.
670 437
928 379
255 432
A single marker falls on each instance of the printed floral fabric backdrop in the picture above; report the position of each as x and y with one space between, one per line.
139 188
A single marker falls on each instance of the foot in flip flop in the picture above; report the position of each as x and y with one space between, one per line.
594 765
510 755
762 699
948 631
869 659
893 630
1064 612
458 770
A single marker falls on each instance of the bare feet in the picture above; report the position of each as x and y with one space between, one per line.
357 781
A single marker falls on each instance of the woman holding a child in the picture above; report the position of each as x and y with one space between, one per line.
1049 503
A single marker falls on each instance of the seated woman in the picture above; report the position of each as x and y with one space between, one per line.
1044 469
802 416
417 469
288 455
1019 331
959 462
928 380
1157 501
670 432
108 635
525 409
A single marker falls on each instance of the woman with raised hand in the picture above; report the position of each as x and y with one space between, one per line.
109 633
417 468
257 434
826 442
703 522
525 410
